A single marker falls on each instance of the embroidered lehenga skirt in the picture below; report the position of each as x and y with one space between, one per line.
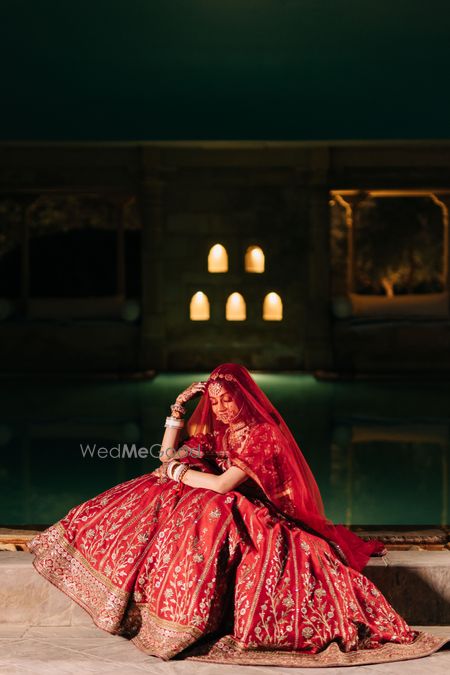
188 573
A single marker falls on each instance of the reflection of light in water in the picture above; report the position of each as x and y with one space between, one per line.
374 472
390 473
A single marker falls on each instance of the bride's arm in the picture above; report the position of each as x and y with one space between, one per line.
169 444
222 483
171 435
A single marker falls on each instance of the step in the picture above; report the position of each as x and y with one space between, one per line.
416 583
27 598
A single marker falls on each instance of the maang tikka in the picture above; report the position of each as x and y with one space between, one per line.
216 388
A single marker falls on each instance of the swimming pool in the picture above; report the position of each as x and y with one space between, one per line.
379 451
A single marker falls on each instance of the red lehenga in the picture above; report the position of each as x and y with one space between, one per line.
191 573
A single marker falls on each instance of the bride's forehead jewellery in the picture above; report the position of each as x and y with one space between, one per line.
216 388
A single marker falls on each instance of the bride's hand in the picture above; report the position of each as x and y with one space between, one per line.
161 470
194 389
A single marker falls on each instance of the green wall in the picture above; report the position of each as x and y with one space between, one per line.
224 69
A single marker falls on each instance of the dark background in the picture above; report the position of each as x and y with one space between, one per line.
224 69
98 219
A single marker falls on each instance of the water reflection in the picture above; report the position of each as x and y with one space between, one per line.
379 451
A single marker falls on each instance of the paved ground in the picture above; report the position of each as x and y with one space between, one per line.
59 650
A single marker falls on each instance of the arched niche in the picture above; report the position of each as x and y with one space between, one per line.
217 259
254 259
272 307
199 307
235 309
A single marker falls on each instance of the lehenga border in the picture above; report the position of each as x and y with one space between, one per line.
110 608
162 638
227 650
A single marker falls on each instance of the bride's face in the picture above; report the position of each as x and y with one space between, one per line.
224 407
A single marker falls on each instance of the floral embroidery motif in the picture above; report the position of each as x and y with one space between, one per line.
165 566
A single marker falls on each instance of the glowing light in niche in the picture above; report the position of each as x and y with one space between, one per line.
199 307
218 259
235 308
254 259
272 307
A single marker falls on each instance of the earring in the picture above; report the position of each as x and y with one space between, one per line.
238 412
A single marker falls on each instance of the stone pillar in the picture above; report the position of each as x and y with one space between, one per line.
28 202
152 347
443 201
318 334
347 206
351 204
118 206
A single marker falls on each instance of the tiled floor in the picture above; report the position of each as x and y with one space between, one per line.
77 650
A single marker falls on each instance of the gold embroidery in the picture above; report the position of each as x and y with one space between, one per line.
154 566
229 650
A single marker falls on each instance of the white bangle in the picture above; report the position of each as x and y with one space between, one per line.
177 471
170 467
182 473
176 423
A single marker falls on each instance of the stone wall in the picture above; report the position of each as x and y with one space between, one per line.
193 195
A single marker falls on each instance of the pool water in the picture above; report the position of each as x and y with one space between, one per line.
379 451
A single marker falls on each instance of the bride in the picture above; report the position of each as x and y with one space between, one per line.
224 553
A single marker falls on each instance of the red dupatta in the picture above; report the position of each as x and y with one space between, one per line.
269 454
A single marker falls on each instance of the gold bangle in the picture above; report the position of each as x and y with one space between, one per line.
183 473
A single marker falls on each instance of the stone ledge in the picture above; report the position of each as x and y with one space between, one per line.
395 537
416 583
